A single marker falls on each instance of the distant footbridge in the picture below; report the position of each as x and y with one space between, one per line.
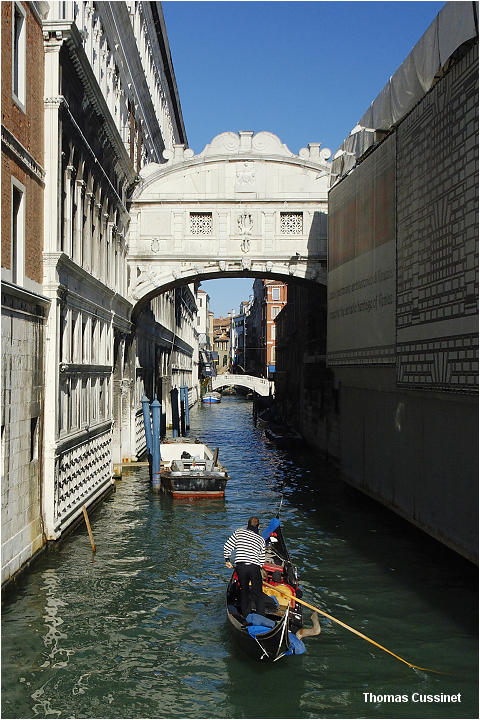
261 386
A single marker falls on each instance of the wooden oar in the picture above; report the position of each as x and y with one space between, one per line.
347 627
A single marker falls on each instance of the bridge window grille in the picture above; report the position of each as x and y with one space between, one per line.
291 223
201 223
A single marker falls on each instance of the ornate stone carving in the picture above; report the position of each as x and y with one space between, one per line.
245 178
268 143
155 245
177 154
245 228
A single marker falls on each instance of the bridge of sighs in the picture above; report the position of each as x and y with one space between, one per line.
245 205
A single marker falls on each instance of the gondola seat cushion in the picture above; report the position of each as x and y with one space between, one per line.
282 599
257 619
254 630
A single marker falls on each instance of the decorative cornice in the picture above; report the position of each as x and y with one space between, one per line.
22 155
23 294
83 369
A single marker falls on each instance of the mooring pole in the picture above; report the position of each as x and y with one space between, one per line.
182 411
156 411
147 424
175 418
87 523
187 409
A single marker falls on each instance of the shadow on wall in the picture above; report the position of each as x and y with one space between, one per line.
305 391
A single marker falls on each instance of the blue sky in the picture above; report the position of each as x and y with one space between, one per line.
305 71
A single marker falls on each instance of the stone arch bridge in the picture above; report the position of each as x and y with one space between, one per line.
261 386
245 206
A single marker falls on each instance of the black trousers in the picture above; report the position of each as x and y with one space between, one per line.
249 572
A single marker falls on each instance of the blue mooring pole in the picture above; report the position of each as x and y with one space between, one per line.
175 414
156 411
187 409
147 424
182 411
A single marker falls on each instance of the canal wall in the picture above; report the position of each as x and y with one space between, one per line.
23 318
415 452
403 311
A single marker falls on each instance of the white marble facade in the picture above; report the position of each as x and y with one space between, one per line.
109 110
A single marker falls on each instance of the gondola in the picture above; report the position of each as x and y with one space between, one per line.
273 635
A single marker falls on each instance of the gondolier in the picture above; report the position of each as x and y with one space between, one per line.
249 549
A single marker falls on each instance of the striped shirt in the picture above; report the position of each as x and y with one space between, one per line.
249 547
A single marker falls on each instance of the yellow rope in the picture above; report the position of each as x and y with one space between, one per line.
356 632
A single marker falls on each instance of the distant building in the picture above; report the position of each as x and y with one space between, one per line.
207 367
221 343
203 300
269 297
238 333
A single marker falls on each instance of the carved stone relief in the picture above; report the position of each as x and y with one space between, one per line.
245 178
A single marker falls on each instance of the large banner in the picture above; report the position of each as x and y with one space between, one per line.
361 262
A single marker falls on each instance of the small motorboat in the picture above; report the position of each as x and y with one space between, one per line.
212 397
278 632
189 469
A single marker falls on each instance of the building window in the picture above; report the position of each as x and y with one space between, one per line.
201 223
19 54
276 293
275 311
33 438
291 223
272 332
18 232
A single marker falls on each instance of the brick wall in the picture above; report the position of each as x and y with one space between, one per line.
27 127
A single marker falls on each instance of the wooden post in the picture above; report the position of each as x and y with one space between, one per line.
87 523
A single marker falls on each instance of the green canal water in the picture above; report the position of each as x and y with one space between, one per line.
139 630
